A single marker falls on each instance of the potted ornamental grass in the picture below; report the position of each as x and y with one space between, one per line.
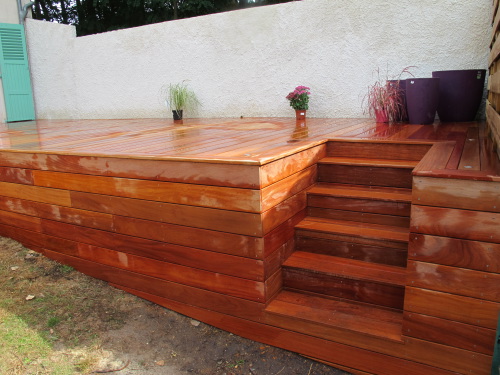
181 98
299 100
385 100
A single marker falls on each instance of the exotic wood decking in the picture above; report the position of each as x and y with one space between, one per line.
292 234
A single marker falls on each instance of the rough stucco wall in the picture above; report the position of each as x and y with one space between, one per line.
246 62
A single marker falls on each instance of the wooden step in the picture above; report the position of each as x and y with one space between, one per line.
326 314
369 162
358 251
380 149
344 278
370 204
379 233
359 171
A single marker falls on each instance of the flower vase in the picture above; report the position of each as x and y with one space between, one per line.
300 114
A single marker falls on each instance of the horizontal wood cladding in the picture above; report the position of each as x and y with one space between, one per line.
192 216
465 224
447 332
231 175
460 361
36 193
189 194
453 193
16 175
378 150
481 256
277 170
460 281
473 311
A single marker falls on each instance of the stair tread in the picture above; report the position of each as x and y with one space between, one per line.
347 268
355 229
369 162
353 316
362 192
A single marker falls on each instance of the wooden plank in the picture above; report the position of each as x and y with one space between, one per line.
448 222
453 193
277 170
283 211
495 52
369 162
460 281
35 193
449 333
58 213
32 240
196 195
362 217
452 307
228 243
359 175
481 256
194 296
282 233
22 221
437 158
198 217
16 175
186 256
494 82
343 249
493 119
470 156
360 205
287 187
385 150
363 360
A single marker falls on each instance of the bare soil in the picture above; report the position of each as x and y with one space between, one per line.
55 320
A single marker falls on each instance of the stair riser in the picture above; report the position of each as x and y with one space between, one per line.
351 239
377 150
361 175
360 205
366 253
358 290
362 217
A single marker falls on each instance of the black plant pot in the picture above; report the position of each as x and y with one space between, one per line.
461 92
422 99
177 115
400 86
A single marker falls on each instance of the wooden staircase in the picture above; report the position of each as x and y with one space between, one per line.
349 266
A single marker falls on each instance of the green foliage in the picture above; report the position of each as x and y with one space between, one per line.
97 16
181 97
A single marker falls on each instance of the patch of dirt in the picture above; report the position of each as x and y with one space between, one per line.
93 328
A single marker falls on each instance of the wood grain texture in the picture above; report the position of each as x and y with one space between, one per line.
228 243
378 150
22 221
195 195
343 249
362 217
192 216
287 187
453 193
231 175
460 281
449 333
202 298
447 222
280 169
481 256
470 159
452 307
332 351
283 211
376 176
183 255
16 175
35 193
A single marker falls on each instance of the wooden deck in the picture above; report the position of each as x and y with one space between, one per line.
371 247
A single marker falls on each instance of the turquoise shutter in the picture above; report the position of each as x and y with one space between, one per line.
15 74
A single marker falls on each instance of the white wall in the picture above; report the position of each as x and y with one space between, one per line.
245 62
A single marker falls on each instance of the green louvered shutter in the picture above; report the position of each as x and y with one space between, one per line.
15 73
